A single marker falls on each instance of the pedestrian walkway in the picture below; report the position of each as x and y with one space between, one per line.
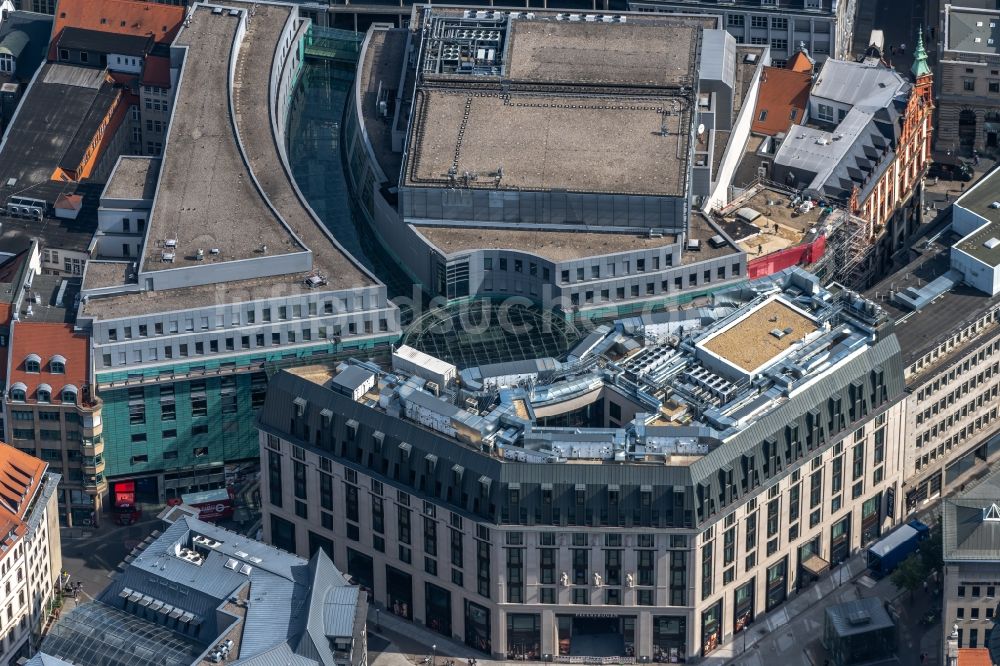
837 584
411 643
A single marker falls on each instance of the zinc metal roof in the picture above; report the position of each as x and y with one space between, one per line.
871 608
966 534
973 30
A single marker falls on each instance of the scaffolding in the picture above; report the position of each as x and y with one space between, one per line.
849 250
848 257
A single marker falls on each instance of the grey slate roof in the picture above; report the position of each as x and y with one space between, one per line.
830 162
965 535
291 603
858 85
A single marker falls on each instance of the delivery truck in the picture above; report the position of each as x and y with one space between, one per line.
886 554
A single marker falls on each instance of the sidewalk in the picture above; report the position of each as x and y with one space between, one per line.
409 643
744 648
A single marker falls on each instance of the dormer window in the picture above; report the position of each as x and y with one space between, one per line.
68 394
18 392
33 363
44 393
57 365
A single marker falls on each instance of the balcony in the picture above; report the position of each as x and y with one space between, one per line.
92 447
94 484
93 466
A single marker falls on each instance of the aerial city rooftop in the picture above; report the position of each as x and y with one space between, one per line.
260 269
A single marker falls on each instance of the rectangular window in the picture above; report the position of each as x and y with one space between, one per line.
199 400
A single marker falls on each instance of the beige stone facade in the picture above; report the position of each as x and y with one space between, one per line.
521 592
968 81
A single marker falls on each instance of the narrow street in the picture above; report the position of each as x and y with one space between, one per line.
899 20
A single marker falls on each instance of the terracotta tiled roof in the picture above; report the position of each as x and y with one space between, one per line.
20 476
974 657
782 100
123 17
800 62
46 339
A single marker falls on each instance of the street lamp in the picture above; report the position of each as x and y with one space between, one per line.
378 620
433 653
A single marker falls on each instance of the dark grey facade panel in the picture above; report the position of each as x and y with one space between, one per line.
550 207
408 456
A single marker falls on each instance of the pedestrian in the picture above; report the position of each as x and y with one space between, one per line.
925 587
902 49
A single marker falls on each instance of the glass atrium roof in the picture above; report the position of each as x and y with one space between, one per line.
481 332
96 633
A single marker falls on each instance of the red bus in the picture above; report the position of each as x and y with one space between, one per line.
126 509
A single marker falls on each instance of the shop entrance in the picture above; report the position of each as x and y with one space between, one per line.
596 636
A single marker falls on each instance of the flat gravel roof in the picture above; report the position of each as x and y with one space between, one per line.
133 178
207 198
749 344
585 143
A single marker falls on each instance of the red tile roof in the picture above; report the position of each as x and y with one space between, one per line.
46 339
800 62
20 476
124 17
782 100
156 71
974 657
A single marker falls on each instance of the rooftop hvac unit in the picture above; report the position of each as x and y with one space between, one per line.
995 205
170 242
167 257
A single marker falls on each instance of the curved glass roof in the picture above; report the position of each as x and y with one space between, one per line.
96 633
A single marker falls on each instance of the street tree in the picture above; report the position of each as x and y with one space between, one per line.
931 551
910 574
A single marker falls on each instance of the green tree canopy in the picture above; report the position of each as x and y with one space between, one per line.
910 574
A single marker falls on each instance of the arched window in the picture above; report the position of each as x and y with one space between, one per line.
18 392
57 365
69 394
44 393
32 363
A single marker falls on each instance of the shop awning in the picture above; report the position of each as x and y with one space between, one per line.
815 565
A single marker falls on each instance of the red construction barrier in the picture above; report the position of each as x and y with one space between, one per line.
806 253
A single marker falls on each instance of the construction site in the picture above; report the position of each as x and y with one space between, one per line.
777 227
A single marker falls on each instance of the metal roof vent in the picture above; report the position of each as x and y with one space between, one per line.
992 513
778 333
992 243
858 618
995 204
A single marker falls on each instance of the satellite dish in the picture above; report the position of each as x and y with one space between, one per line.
701 128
